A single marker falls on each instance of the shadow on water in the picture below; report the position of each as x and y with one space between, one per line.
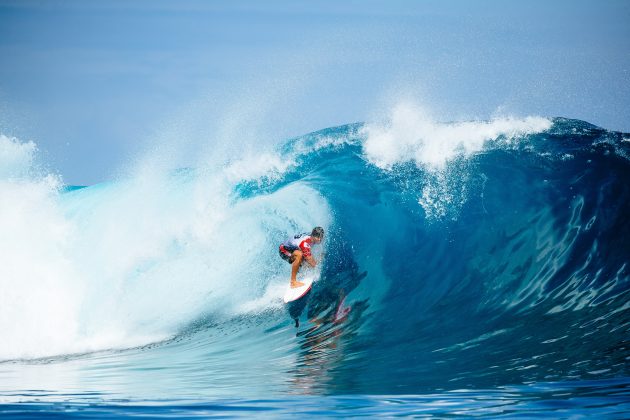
333 319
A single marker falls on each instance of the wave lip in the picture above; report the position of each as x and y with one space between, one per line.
410 135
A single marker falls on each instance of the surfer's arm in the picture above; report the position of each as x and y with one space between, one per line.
311 261
306 253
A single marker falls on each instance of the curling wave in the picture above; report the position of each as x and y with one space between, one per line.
459 254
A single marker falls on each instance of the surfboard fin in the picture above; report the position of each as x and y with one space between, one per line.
297 322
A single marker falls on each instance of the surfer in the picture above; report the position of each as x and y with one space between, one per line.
297 249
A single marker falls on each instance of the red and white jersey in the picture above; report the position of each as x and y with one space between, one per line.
301 241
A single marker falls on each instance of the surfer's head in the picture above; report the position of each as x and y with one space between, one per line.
317 234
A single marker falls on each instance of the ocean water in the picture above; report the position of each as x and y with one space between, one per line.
475 268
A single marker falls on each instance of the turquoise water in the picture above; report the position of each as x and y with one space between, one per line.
593 399
470 269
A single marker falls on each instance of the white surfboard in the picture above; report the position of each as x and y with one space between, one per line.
295 293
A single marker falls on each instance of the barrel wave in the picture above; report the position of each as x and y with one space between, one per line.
467 255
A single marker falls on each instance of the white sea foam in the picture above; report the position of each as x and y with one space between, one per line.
16 158
257 166
40 296
410 135
127 263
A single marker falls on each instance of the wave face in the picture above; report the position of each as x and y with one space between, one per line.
460 255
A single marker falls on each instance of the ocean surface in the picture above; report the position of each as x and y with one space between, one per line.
473 268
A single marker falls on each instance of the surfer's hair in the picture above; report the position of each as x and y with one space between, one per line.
318 232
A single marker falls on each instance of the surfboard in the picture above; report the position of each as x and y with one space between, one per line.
292 294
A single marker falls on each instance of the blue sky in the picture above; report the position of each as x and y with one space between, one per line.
95 84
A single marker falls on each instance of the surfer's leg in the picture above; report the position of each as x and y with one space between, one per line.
295 267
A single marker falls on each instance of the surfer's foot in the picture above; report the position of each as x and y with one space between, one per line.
295 283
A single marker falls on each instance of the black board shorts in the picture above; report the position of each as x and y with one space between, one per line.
286 254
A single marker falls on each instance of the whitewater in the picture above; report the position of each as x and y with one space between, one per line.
470 268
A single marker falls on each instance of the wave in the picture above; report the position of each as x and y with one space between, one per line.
476 252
